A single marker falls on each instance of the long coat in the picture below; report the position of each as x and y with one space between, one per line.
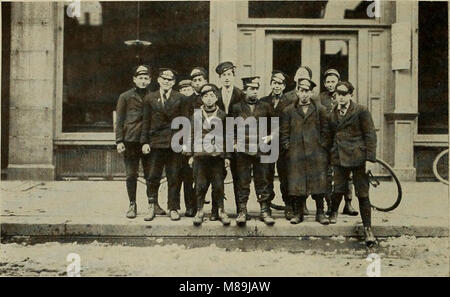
355 140
307 138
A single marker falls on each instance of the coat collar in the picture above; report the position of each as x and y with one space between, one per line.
311 109
348 116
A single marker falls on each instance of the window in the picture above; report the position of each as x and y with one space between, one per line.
433 68
97 64
332 9
334 54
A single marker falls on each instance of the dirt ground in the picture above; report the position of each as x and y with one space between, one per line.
403 256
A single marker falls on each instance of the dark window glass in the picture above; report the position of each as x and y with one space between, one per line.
433 68
97 63
287 57
310 9
334 54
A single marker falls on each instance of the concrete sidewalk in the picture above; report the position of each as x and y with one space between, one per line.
97 208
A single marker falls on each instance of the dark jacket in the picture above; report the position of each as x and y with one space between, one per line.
326 100
200 147
157 119
236 96
355 140
242 109
129 115
192 103
307 138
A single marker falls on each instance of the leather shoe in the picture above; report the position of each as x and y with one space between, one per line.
151 212
349 210
333 217
159 211
267 219
241 219
198 219
132 210
174 215
223 217
214 216
369 238
321 218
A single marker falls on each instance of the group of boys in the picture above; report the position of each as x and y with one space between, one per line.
321 142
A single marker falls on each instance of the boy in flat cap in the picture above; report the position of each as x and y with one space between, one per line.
160 108
185 87
305 134
208 157
331 77
354 143
248 161
278 101
128 132
229 95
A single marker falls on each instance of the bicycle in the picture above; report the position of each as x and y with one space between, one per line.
381 184
440 166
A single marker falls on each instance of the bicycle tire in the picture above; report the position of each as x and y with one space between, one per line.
399 188
435 162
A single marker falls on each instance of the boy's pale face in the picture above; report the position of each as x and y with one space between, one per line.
209 99
187 91
331 82
252 92
304 95
342 95
277 87
198 82
141 81
227 78
166 84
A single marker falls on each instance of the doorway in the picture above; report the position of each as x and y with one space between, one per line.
319 51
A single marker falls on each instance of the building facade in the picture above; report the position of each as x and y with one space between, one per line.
62 74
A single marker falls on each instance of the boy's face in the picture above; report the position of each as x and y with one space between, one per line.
252 92
342 95
331 82
277 87
227 78
198 82
165 83
187 91
141 81
304 94
209 99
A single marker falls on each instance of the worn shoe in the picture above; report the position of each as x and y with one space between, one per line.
190 213
159 211
369 238
333 217
223 217
321 218
288 211
298 207
267 219
349 210
241 219
132 210
198 219
151 212
174 215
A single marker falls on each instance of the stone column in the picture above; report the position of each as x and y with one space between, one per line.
402 119
32 91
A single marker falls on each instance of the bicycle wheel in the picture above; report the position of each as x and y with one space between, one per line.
440 167
386 190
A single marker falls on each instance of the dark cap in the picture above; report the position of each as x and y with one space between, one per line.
348 85
252 81
279 76
305 83
185 83
167 73
141 70
208 88
331 72
303 72
199 71
224 66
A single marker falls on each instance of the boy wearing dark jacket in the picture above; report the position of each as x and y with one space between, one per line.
208 156
129 112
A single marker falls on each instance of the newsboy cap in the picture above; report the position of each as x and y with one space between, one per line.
331 71
252 81
141 70
303 72
224 66
185 83
167 73
208 88
306 83
199 71
279 76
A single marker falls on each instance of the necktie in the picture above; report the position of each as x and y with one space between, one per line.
164 99
342 110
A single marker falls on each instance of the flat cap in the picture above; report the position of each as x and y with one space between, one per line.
303 72
199 71
167 73
252 81
331 72
208 88
185 83
279 76
306 83
224 66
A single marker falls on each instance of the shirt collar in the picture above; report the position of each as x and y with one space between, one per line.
345 107
168 93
